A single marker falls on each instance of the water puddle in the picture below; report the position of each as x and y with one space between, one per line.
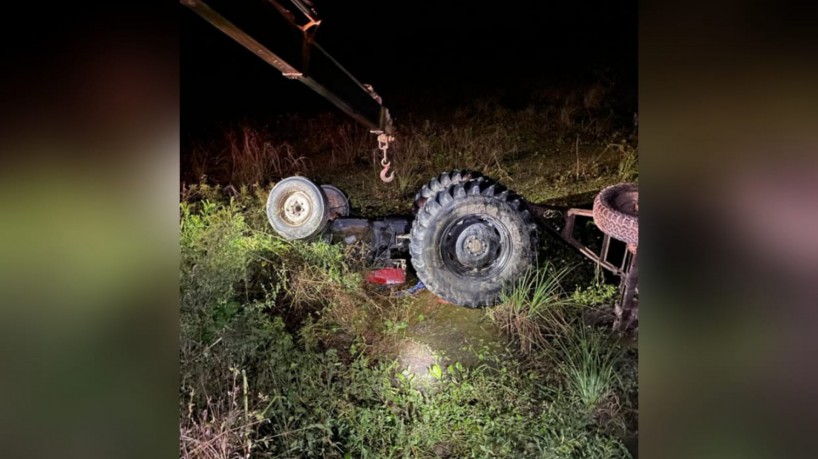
444 333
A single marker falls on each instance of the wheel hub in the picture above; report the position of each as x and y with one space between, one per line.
475 245
296 208
472 244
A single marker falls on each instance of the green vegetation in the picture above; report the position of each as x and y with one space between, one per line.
537 299
588 358
596 294
286 353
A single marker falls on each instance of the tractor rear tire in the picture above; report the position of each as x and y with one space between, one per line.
616 212
440 183
472 240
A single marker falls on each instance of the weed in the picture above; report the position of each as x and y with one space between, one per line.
588 360
221 262
255 157
349 144
596 294
394 328
627 167
534 301
224 428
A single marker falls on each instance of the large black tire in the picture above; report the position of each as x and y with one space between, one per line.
616 212
470 241
297 208
440 183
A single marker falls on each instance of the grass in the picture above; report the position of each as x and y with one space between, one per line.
588 363
538 315
225 427
563 143
537 299
266 373
285 352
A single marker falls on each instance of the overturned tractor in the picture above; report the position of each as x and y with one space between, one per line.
470 236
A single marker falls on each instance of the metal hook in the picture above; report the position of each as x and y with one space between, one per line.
385 170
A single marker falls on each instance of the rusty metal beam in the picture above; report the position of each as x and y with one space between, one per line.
567 235
221 23
378 118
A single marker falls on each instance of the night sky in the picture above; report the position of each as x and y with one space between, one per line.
418 55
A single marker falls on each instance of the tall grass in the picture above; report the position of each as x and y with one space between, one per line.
531 304
225 427
558 129
588 363
350 142
256 156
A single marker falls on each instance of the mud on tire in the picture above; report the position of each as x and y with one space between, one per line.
472 239
616 212
440 183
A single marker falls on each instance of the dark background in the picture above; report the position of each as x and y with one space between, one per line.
419 56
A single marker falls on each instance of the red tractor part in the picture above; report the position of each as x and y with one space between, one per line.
387 276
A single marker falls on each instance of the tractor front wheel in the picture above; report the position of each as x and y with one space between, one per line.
297 208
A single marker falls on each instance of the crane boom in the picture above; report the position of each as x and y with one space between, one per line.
312 66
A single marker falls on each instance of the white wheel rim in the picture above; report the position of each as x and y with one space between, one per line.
296 208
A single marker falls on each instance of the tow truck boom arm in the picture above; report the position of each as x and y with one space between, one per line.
305 61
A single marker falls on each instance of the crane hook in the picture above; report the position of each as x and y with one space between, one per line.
385 171
383 145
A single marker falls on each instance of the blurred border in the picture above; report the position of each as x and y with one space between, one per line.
89 230
729 216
